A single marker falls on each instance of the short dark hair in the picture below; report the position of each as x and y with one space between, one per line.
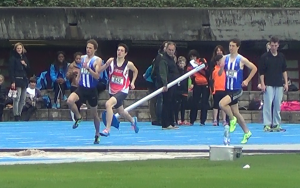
217 58
274 39
124 46
32 80
236 41
93 42
193 53
76 54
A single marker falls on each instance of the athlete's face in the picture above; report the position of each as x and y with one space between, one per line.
121 52
233 48
90 50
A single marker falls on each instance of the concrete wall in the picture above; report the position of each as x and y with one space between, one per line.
185 24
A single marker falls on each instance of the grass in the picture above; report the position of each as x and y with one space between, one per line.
266 171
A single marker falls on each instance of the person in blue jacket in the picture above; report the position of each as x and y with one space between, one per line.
58 72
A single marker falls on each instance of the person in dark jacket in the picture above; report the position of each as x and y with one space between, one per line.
154 73
181 93
168 72
18 70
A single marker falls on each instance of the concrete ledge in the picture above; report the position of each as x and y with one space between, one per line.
143 115
135 95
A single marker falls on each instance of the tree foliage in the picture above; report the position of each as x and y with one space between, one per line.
150 3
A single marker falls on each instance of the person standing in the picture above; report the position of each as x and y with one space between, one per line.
18 70
200 88
157 83
272 70
168 72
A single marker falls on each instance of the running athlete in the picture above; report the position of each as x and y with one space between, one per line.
233 64
119 83
87 89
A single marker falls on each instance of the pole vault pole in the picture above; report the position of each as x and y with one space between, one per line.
115 122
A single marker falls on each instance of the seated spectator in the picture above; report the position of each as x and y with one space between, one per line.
58 71
33 96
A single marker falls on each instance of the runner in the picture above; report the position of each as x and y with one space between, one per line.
87 89
119 83
233 64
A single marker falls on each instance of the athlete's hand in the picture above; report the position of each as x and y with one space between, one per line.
132 86
245 83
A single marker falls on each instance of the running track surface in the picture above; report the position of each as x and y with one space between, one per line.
59 136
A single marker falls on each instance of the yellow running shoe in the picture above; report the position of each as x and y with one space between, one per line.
232 124
246 137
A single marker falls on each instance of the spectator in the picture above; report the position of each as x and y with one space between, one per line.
200 88
168 72
272 69
18 71
33 96
219 50
72 73
157 82
58 72
218 91
181 93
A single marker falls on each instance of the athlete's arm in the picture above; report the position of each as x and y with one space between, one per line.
250 66
134 71
97 65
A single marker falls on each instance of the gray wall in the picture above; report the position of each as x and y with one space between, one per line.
185 24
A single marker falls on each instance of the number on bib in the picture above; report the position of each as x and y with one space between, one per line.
84 71
232 73
117 80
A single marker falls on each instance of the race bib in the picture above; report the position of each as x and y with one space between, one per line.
231 74
117 80
84 71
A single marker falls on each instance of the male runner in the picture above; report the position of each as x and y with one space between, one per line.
119 83
87 89
233 64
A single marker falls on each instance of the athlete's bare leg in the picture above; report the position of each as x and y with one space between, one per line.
125 114
109 111
96 120
239 117
72 99
224 105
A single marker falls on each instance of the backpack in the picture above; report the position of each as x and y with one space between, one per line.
155 62
46 102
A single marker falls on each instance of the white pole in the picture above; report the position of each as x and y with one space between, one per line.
150 96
